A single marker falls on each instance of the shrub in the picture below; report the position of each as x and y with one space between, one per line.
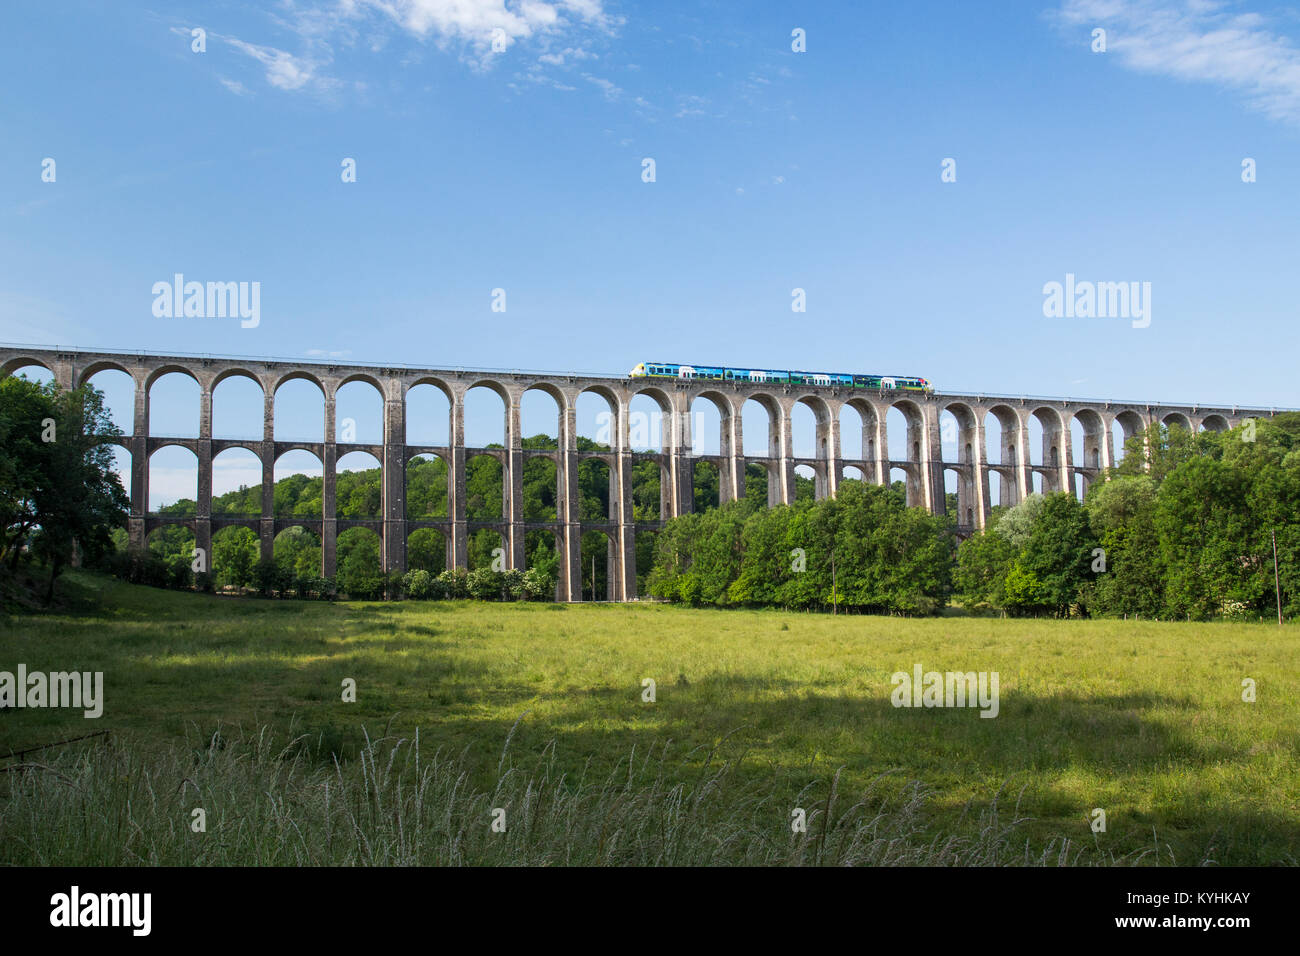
538 585
418 585
484 584
454 583
512 582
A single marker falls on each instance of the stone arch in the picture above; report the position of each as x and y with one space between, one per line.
959 452
1002 448
595 471
169 368
237 469
425 474
173 404
479 410
904 473
359 411
1214 423
652 429
295 375
1177 420
356 493
428 405
914 447
484 487
104 365
825 444
308 423
20 362
439 383
756 446
1131 425
714 401
1051 452
168 472
301 470
599 417
1090 452
535 395
118 387
221 399
870 447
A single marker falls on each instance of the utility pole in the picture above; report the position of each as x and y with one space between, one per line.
1277 586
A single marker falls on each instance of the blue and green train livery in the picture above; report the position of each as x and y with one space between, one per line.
908 383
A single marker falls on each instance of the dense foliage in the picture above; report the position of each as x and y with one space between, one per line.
864 549
1184 528
60 497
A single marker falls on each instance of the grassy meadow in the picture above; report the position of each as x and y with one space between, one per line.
234 705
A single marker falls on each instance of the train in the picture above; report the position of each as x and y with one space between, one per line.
907 383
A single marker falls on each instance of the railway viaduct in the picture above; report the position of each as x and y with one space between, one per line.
924 465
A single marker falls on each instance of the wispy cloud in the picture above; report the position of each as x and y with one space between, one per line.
611 90
483 28
239 89
284 70
479 31
1200 40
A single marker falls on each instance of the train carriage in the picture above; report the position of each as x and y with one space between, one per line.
776 376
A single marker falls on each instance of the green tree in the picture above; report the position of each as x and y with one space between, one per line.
63 473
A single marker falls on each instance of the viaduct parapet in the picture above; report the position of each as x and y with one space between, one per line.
1059 465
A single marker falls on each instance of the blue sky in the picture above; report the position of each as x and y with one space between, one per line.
522 170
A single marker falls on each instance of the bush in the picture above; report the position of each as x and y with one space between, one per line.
454 583
538 585
418 585
484 584
512 582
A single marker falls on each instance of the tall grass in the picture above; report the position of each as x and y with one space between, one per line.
287 803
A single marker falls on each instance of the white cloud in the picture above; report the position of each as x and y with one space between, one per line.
563 32
283 70
565 55
475 22
1199 40
611 90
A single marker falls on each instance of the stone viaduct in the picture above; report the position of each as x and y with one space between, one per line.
923 465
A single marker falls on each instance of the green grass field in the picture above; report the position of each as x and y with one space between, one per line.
1144 720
